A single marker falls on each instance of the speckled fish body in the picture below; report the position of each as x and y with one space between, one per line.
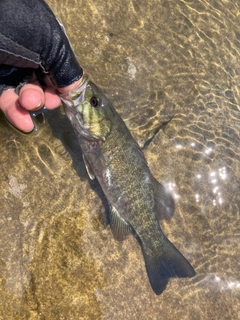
136 199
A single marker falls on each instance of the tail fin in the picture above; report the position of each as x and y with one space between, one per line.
166 264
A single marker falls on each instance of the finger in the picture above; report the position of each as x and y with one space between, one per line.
16 115
31 96
52 100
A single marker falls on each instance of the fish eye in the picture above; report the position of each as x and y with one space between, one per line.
94 102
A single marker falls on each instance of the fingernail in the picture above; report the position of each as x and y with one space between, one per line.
30 99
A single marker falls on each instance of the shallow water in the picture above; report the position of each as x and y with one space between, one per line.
155 60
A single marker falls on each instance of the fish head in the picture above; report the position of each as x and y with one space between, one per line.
89 111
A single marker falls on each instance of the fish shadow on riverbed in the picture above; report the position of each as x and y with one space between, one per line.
63 131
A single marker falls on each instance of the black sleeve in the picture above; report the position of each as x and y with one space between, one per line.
32 38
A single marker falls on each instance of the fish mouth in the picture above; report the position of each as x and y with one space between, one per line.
72 103
74 98
77 95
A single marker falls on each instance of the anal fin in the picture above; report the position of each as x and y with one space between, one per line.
119 227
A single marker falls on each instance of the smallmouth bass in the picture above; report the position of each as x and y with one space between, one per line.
136 199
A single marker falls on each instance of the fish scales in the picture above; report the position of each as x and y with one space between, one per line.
132 192
135 197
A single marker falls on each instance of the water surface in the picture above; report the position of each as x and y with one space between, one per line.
155 60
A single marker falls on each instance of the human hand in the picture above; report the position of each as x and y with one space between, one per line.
30 98
40 44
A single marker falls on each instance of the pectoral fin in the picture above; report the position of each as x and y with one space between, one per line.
120 228
163 200
88 168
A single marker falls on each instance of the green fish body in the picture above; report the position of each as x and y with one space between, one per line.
136 199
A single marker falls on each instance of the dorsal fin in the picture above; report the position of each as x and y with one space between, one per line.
163 200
